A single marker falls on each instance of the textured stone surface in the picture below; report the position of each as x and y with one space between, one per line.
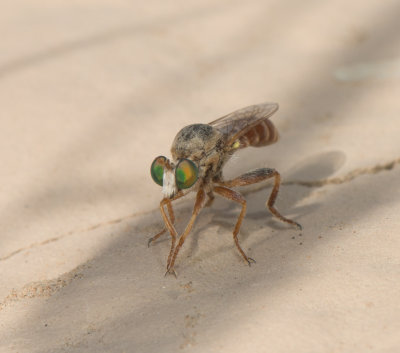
91 92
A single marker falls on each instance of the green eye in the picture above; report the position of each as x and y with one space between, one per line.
157 170
186 174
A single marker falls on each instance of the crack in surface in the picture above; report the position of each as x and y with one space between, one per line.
348 177
313 183
73 232
333 181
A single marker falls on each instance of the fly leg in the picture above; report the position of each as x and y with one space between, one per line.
169 223
236 197
199 204
210 199
257 176
171 216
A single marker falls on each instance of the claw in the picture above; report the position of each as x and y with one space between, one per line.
298 225
172 272
149 242
250 260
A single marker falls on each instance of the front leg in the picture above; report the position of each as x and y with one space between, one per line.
171 216
169 223
199 204
257 176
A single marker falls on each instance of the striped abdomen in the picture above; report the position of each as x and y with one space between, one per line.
262 134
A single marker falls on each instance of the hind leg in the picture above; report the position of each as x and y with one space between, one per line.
257 176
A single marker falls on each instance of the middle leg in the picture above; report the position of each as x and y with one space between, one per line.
257 176
236 197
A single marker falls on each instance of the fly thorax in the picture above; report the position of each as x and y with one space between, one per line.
169 186
195 142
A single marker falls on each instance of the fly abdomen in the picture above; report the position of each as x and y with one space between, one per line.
262 134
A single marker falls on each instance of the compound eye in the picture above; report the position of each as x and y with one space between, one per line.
157 169
186 174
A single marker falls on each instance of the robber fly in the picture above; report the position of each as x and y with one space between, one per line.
199 152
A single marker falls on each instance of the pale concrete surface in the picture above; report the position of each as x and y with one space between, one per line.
91 92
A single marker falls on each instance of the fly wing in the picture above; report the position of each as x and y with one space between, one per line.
248 126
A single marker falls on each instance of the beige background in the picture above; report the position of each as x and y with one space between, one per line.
91 92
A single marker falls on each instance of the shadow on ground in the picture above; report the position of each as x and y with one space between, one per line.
141 308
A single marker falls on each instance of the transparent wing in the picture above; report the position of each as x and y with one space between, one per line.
249 126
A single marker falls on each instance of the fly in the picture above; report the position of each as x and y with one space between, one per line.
199 153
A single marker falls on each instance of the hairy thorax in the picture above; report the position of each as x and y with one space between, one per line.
204 145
